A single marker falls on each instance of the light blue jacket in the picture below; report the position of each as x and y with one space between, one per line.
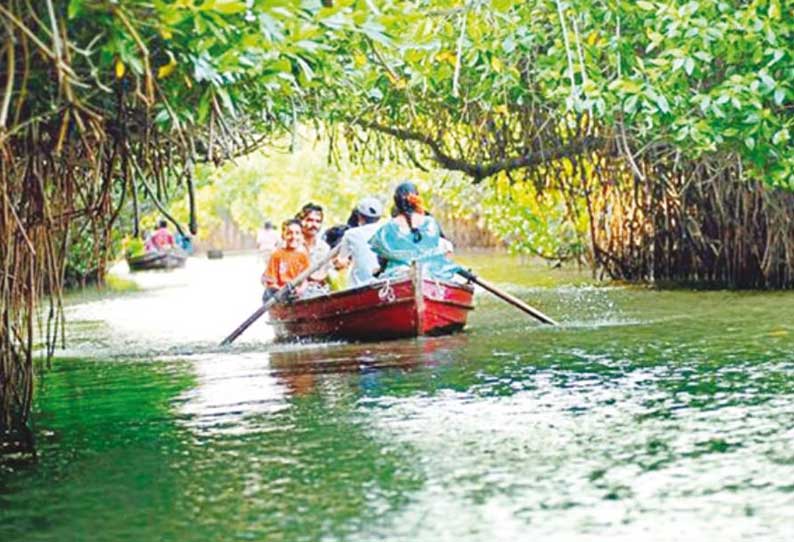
399 249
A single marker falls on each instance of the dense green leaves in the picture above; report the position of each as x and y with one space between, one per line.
726 71
469 84
705 77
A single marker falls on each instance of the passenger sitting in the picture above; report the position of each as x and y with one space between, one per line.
184 242
161 239
355 244
287 262
338 276
333 235
411 236
311 218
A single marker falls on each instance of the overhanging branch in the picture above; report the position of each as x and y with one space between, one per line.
479 171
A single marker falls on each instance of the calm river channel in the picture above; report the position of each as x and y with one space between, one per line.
648 415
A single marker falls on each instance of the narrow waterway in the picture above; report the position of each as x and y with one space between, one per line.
648 415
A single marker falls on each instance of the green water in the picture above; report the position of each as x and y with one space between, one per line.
647 415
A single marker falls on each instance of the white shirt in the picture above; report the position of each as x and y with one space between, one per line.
318 250
355 243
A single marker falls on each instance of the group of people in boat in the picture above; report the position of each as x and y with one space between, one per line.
160 239
371 248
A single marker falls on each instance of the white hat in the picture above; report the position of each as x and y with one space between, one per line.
370 207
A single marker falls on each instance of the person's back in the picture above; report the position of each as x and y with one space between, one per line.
355 244
365 261
162 238
400 245
184 242
412 236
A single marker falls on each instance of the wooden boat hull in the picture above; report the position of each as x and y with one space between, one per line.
156 260
408 307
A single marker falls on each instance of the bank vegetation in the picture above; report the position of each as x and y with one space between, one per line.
651 139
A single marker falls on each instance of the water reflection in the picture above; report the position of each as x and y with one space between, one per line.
648 416
229 391
367 359
233 390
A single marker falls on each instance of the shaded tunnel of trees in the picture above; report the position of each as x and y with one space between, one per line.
662 129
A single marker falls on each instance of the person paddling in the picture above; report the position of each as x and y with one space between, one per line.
286 262
410 236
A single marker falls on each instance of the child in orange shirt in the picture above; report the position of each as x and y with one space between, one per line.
287 262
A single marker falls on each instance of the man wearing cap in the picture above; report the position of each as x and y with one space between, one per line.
355 244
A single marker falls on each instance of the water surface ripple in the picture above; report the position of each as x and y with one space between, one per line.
648 415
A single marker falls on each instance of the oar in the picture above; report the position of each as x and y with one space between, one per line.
280 295
507 297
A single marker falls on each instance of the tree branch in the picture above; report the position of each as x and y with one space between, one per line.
479 171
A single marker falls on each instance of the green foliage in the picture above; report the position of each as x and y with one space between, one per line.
526 220
713 76
118 284
702 76
134 247
255 59
274 185
697 77
81 263
87 255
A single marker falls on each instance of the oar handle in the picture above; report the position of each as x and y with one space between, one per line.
498 292
280 295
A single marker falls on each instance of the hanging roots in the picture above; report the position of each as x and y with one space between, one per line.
73 153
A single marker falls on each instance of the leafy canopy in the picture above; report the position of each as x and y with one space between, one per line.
484 80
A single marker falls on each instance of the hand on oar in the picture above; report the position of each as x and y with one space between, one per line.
535 313
280 295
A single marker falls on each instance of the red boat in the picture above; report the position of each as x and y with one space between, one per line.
404 307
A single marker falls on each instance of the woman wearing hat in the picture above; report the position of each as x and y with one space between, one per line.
410 236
